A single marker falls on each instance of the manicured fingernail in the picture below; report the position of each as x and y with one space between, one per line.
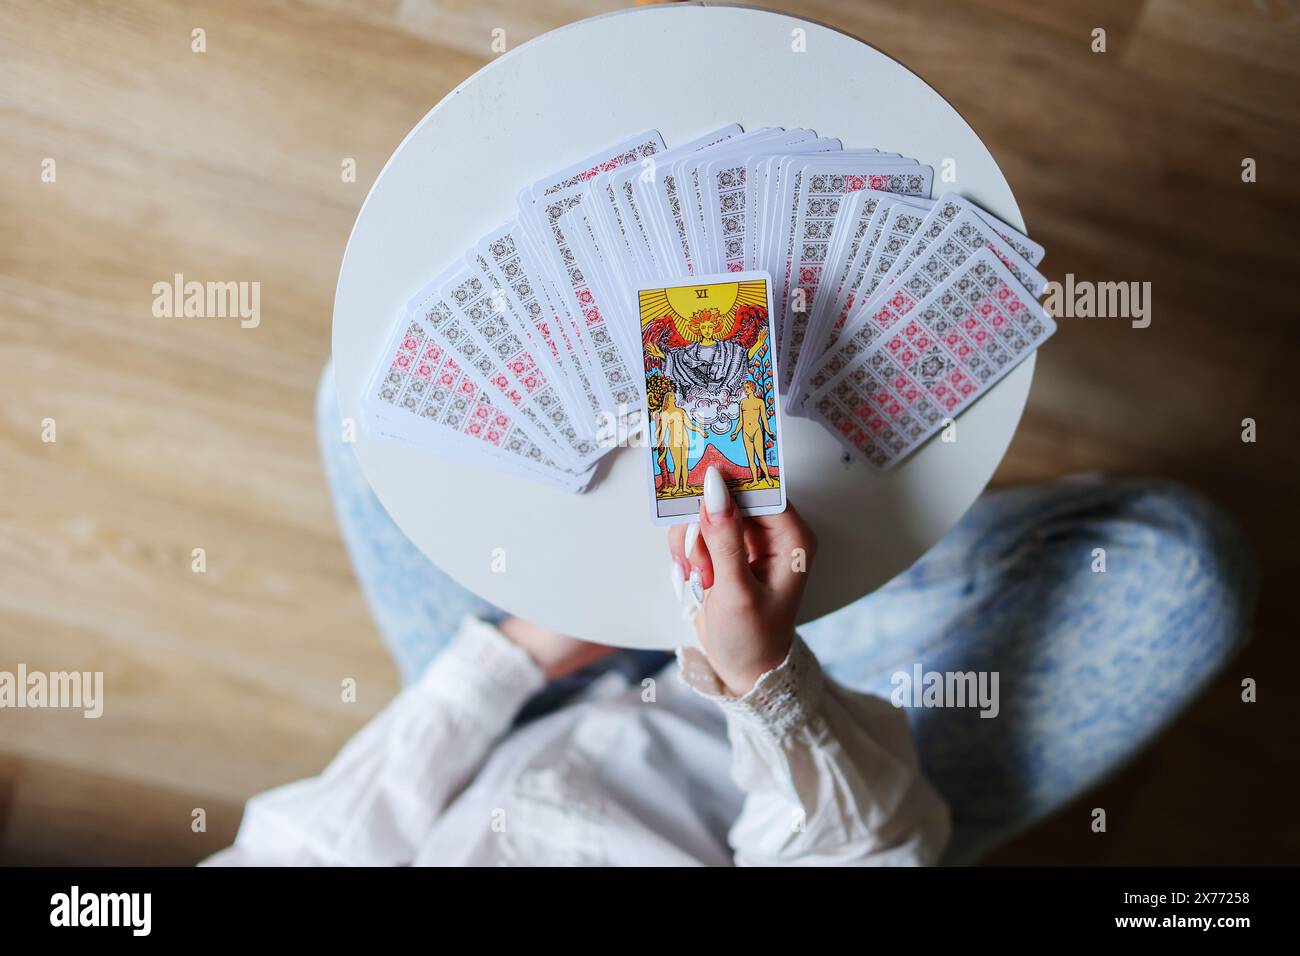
716 497
695 586
692 535
679 581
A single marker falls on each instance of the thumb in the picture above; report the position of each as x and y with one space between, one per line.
720 525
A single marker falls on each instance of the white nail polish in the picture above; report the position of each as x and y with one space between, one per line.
716 497
692 535
679 582
695 587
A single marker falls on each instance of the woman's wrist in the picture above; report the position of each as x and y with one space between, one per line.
527 637
740 676
554 654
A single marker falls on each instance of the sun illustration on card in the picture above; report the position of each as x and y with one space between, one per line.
709 385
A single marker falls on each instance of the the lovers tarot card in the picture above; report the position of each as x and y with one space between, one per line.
711 394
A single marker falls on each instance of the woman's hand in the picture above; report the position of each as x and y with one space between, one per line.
556 654
754 571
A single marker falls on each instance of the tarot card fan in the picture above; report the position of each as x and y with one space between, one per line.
878 311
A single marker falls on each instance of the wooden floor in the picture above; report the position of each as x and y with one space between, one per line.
181 434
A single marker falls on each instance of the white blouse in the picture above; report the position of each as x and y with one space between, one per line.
627 776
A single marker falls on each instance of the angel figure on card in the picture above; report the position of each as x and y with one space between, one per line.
708 365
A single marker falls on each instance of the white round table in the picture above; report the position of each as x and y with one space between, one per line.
593 565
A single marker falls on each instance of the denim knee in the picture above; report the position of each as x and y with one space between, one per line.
1196 548
1169 560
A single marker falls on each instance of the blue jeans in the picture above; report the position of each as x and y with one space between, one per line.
1091 663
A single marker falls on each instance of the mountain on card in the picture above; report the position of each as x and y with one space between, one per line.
729 468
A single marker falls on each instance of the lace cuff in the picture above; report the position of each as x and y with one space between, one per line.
781 701
483 672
